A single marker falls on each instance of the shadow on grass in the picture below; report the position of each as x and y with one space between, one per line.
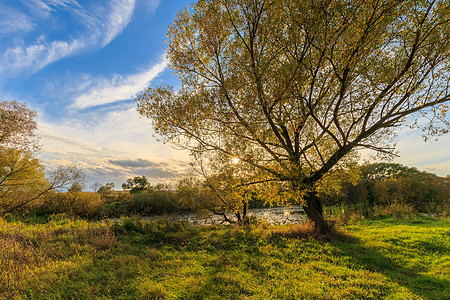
373 259
235 261
219 280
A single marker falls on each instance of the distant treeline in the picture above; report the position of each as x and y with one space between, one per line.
386 184
362 188
105 202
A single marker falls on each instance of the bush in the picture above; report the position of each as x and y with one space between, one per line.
436 208
118 204
396 210
154 202
81 204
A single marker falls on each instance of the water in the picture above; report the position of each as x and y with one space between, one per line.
279 215
274 216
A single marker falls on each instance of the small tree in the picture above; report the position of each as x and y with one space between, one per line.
22 176
17 126
210 196
105 190
19 170
76 187
294 88
57 179
95 186
224 184
137 184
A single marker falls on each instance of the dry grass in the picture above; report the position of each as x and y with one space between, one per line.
32 251
307 231
348 218
396 210
375 259
302 230
100 237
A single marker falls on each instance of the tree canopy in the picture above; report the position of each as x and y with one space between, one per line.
293 88
136 184
17 126
22 176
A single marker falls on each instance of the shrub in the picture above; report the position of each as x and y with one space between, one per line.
81 204
154 202
118 204
396 210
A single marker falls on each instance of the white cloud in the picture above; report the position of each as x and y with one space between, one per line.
37 56
117 19
12 20
428 156
116 136
118 88
99 24
43 8
413 151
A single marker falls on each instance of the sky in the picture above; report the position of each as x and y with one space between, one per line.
79 64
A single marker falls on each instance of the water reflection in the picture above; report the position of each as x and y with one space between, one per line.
279 215
274 216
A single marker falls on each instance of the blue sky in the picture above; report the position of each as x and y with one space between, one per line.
79 64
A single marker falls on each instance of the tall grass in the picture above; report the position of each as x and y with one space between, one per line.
386 258
32 251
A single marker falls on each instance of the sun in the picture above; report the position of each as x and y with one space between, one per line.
235 160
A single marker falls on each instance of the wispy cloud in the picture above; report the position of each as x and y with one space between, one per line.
37 56
117 19
427 156
43 8
97 25
12 20
153 169
104 91
118 146
136 163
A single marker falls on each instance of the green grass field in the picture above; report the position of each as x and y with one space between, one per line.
75 259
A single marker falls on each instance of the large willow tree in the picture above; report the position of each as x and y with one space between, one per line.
293 88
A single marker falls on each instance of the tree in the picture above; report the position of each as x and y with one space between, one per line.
222 180
22 176
76 187
214 195
393 183
295 88
137 184
105 190
96 186
31 188
17 126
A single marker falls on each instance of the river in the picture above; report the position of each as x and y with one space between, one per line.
274 216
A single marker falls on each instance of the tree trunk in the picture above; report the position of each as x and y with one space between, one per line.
314 210
238 217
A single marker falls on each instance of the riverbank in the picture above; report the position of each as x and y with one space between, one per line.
371 259
282 215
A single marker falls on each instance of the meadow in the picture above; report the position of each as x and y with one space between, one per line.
66 258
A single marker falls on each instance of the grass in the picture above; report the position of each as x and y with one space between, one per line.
374 259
